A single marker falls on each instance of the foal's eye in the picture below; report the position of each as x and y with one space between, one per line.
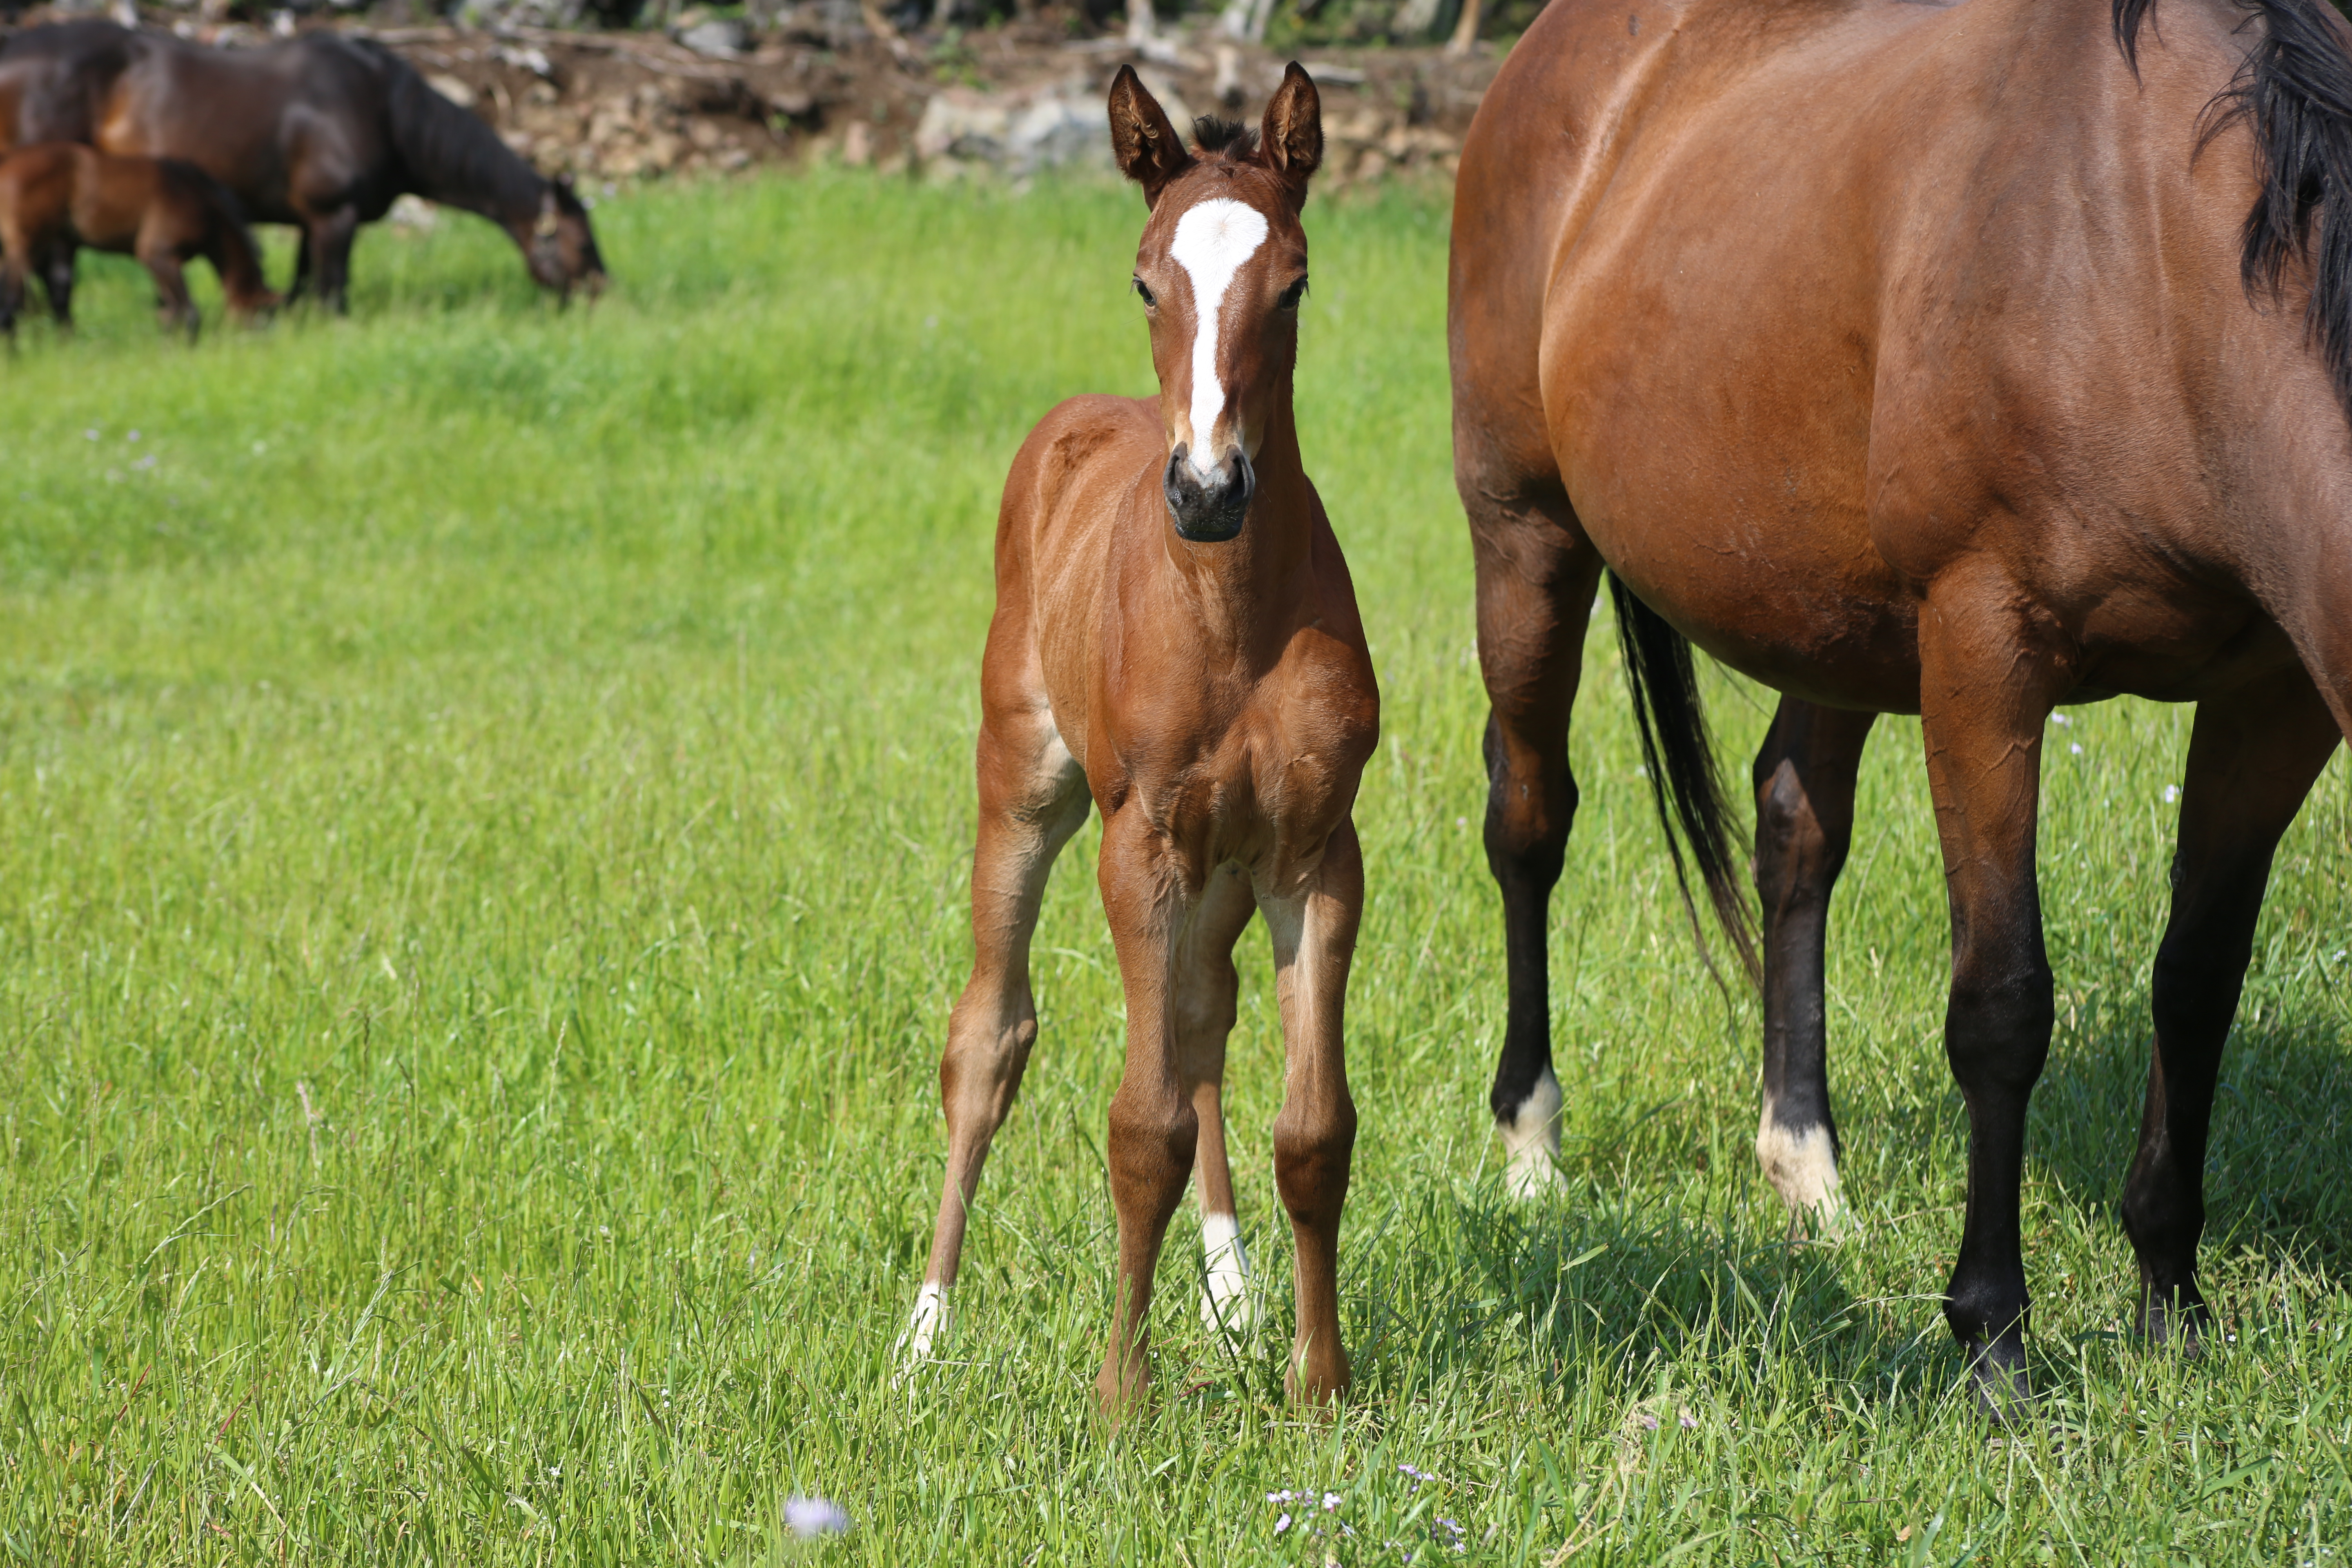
1150 300
1291 296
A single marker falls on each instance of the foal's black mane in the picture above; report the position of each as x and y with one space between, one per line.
1229 137
450 156
2294 92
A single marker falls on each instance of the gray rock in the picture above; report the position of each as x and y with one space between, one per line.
719 37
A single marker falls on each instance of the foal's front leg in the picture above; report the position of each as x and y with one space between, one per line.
1315 1135
1154 1128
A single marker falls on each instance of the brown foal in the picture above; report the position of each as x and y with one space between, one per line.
1176 637
57 198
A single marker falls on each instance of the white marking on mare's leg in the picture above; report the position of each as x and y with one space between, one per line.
1213 241
1227 1304
922 1325
1531 1140
1802 1168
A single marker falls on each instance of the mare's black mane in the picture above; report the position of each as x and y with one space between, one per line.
2295 93
449 153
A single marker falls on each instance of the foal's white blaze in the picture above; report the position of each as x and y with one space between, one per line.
1531 1140
922 1325
1225 1301
1213 241
1802 1168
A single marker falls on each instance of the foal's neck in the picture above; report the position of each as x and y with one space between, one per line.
1239 587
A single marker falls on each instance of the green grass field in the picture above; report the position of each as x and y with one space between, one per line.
484 806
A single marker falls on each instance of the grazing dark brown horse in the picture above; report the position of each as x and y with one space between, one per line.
1176 637
59 197
1919 358
321 132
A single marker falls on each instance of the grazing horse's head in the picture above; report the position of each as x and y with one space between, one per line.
1220 271
562 249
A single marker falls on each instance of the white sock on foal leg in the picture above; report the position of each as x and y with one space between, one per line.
923 1324
1226 1303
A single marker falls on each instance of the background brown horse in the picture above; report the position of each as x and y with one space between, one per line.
321 131
59 197
1919 358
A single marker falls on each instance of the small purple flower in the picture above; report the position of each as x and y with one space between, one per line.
1690 1422
1282 1524
810 1517
1331 1501
1649 1422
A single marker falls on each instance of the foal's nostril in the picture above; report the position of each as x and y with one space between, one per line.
1208 511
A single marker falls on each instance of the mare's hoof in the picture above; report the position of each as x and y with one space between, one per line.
2175 1323
1997 1371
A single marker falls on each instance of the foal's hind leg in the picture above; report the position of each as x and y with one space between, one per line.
1804 821
2253 757
1032 797
173 308
1536 577
1205 987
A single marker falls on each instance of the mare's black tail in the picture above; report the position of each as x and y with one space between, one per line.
2295 93
1679 758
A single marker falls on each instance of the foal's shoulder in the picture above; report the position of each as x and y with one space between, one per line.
1083 432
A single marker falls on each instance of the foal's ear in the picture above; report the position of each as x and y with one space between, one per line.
1290 140
1149 151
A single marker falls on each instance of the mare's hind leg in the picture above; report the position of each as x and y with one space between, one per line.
1205 986
1032 797
2253 757
1537 577
329 238
1804 821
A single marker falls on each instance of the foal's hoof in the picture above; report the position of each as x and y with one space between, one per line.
1997 1371
1318 1378
1118 1398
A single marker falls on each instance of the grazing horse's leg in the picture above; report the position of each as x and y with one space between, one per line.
12 290
1032 797
1206 985
2251 759
1154 1130
1536 577
56 265
331 236
1986 683
301 264
173 308
1314 1134
1804 820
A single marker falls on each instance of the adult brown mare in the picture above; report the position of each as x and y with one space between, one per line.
321 132
1176 637
59 197
1919 358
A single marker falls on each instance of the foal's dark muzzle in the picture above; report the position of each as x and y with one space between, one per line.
1208 512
